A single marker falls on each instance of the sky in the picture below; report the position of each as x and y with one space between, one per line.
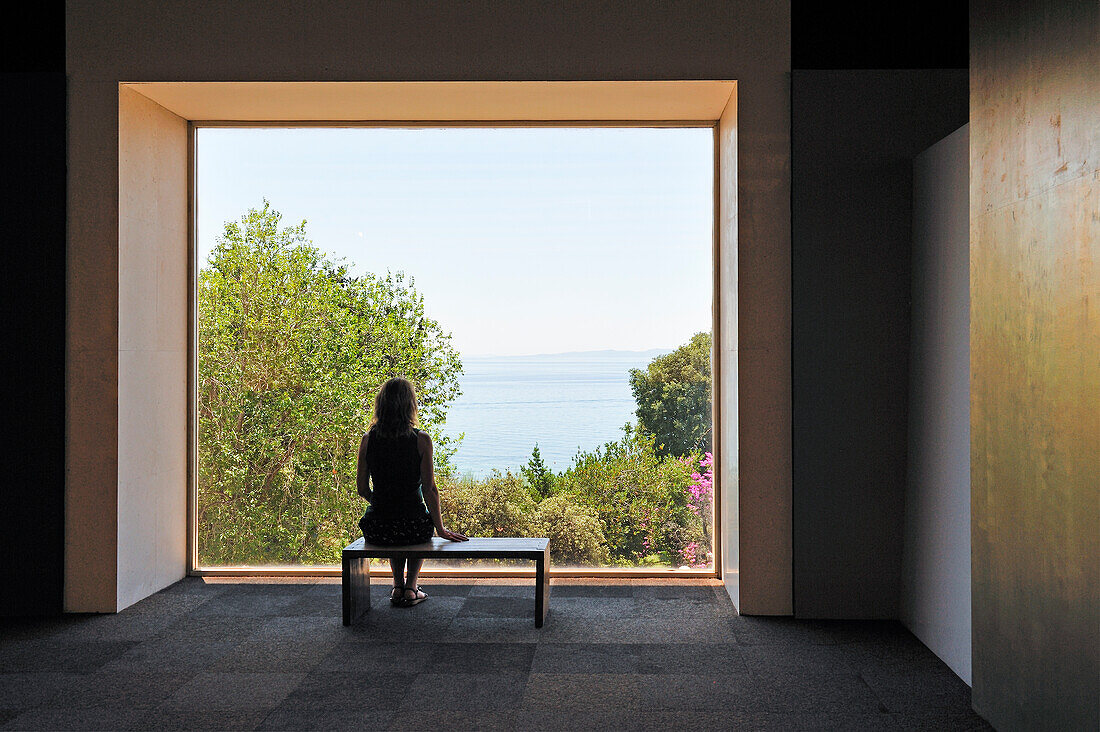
521 240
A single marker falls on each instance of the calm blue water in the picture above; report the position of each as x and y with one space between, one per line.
562 401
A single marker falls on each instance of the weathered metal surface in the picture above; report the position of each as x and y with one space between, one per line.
1035 363
355 588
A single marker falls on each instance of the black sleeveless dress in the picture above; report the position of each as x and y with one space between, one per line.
397 515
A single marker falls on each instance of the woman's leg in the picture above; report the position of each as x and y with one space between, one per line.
414 572
397 566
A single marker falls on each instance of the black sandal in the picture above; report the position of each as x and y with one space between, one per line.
399 598
417 599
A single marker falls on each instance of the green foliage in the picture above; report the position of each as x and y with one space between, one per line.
539 477
292 349
673 397
639 497
291 352
574 530
621 504
499 505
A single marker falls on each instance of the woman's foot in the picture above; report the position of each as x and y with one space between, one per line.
397 596
413 596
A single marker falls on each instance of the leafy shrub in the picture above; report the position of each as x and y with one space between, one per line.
499 505
576 537
640 498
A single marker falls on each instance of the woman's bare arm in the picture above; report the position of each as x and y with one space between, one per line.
427 484
362 470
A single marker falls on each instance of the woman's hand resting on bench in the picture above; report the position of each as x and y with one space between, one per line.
452 535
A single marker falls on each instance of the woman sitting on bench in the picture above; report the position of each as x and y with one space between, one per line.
396 458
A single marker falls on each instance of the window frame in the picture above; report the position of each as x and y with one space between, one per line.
194 568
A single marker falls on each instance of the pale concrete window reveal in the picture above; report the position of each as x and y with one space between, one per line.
711 99
156 213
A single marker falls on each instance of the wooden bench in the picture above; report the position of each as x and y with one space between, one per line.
355 577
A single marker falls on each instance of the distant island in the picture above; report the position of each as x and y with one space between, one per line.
605 353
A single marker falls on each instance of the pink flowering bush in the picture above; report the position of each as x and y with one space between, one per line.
643 501
700 501
688 553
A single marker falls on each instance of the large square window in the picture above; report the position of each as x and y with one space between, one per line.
547 289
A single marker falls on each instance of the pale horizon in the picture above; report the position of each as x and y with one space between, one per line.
571 353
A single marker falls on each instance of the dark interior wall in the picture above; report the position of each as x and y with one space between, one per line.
855 35
871 34
854 134
32 302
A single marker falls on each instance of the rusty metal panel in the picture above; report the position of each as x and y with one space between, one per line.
1035 363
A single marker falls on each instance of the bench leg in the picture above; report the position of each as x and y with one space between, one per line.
542 588
355 586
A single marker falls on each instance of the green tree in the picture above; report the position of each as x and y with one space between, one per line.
639 497
538 475
673 395
292 349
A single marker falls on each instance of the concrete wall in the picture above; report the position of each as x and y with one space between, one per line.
725 352
279 40
152 348
763 404
91 345
1034 371
935 586
854 136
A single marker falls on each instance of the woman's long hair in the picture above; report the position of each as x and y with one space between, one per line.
394 408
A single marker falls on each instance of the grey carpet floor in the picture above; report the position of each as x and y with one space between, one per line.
634 655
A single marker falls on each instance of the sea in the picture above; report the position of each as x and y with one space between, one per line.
564 402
